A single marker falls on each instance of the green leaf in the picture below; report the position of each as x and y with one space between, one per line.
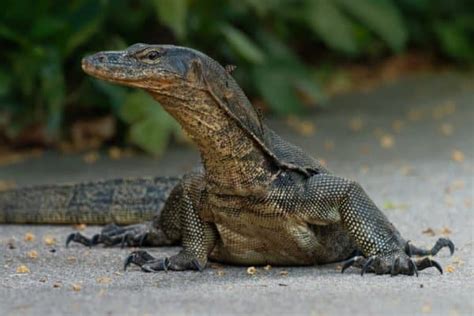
173 13
53 88
150 136
5 83
334 28
381 17
150 125
455 41
273 83
243 45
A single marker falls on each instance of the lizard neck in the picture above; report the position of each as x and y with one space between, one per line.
232 161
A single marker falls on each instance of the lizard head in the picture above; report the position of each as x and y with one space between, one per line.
154 68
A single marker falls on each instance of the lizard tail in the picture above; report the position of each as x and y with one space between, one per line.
120 201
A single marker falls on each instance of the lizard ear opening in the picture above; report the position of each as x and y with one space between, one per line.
195 72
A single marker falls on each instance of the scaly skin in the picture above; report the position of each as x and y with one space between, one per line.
121 201
257 199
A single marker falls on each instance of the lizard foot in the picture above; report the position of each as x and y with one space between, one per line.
394 264
133 235
180 262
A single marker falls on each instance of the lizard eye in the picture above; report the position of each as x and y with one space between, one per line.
153 55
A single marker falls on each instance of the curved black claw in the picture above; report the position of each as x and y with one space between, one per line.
412 267
156 265
359 260
440 244
78 237
428 263
395 269
139 258
367 265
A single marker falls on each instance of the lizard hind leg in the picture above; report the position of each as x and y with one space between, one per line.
133 235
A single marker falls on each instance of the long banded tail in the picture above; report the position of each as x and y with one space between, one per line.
120 201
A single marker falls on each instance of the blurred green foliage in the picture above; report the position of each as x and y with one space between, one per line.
274 43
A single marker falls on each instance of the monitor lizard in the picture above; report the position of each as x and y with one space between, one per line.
255 200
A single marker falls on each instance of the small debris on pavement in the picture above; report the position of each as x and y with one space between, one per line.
22 269
49 240
457 155
284 272
267 267
80 226
76 287
103 280
450 269
251 270
429 231
33 254
29 237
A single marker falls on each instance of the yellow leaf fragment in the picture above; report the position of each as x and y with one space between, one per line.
76 287
103 280
29 237
446 231
80 226
450 269
387 141
446 129
22 269
49 240
457 155
91 157
33 254
251 270
115 153
426 308
429 231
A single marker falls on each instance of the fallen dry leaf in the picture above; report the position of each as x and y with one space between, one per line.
49 240
33 254
446 231
450 269
457 155
446 129
115 153
43 279
220 273
71 259
251 270
80 226
303 127
406 170
429 231
57 284
22 269
356 124
103 280
29 237
91 157
397 125
426 308
267 267
387 141
284 272
76 287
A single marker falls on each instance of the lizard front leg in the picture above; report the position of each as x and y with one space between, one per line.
331 199
198 237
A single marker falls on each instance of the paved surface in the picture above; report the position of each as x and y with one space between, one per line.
414 178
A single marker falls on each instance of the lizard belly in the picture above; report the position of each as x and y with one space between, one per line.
250 239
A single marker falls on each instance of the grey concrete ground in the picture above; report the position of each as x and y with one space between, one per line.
410 144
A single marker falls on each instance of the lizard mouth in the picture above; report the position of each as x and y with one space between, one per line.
107 67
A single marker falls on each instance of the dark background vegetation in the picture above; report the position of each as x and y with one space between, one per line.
285 51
